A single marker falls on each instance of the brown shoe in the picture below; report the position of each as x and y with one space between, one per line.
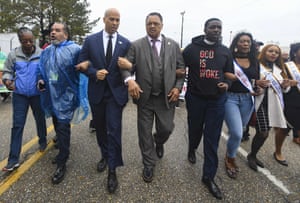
231 167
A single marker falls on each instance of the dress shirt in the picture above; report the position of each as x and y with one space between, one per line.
157 43
105 41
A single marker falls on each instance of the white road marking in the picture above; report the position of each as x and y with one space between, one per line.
264 171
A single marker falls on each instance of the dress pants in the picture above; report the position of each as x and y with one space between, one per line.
107 117
154 109
63 133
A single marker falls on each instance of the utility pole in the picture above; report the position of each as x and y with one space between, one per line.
181 36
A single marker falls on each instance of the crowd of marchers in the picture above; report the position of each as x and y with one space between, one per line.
243 84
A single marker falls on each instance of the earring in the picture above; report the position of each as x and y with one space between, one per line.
235 50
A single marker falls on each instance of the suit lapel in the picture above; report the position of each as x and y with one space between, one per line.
100 43
117 48
166 49
148 52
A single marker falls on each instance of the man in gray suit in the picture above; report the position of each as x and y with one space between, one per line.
154 59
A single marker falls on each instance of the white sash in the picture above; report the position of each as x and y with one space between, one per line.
274 83
294 71
239 73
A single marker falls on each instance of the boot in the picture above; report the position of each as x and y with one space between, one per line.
257 142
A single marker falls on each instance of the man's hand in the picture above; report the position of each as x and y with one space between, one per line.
134 89
124 64
223 86
41 85
10 85
101 74
83 66
173 94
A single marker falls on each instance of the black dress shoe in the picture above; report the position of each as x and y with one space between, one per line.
160 150
192 156
101 165
112 181
212 187
282 162
59 174
148 174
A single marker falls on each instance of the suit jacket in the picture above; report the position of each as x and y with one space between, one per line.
93 51
140 54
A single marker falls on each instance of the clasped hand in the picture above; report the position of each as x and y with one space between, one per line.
223 86
124 64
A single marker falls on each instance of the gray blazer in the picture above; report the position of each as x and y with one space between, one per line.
140 56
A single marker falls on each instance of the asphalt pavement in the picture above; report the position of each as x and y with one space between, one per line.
175 179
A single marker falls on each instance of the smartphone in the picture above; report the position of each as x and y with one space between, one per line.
41 86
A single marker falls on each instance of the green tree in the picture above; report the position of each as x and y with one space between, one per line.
38 14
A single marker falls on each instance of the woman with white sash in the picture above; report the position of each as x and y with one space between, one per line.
292 98
269 105
240 102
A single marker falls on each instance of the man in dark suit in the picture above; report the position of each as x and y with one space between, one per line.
154 59
106 90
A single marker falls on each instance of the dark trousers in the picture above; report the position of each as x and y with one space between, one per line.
21 105
205 117
63 133
107 117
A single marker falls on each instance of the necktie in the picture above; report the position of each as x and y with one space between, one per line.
154 49
109 50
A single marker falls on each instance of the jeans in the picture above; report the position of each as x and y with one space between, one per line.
238 110
21 105
206 116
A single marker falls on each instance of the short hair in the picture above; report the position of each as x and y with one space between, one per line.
155 14
209 20
23 30
66 29
293 49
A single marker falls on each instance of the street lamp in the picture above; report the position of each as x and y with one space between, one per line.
181 37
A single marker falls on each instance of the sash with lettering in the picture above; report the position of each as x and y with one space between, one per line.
294 71
274 83
239 73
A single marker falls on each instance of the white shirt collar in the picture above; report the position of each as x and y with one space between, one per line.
106 34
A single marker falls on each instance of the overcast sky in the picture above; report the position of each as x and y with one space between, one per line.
268 20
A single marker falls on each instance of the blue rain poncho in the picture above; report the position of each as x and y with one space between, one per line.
65 96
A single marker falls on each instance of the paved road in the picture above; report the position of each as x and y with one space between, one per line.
175 179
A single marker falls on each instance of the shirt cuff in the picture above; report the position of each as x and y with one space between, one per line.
128 78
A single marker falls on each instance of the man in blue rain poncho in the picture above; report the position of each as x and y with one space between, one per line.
60 91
